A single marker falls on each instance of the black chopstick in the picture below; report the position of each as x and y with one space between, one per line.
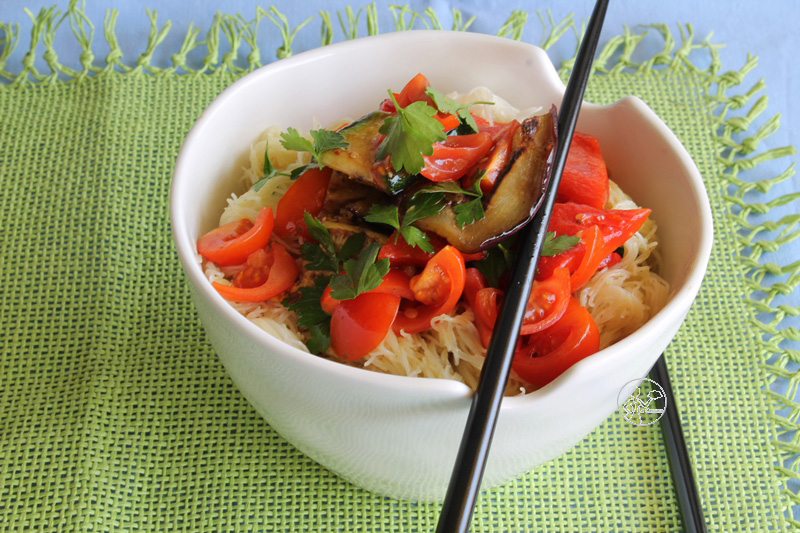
471 459
678 455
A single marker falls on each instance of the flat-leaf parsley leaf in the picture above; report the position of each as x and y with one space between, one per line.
410 135
324 140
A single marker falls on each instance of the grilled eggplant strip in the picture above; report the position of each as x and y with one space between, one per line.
358 162
516 196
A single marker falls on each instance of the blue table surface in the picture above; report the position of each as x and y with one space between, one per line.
766 29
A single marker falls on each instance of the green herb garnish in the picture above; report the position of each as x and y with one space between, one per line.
445 104
554 245
268 172
410 135
360 275
466 212
323 140
311 316
497 260
352 270
419 206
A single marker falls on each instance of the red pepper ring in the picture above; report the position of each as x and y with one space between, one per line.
441 283
283 273
542 357
232 243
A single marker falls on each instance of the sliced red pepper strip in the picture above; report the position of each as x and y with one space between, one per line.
585 177
593 255
615 225
232 243
449 122
305 194
283 273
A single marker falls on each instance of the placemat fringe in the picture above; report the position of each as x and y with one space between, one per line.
235 29
749 205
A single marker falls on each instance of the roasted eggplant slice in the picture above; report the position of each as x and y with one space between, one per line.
515 198
357 161
350 199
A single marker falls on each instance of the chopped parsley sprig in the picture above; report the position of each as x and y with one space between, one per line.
311 316
292 140
323 140
269 171
410 135
360 275
419 206
425 203
554 245
350 270
466 212
445 104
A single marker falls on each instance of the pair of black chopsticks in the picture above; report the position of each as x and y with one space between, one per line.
468 470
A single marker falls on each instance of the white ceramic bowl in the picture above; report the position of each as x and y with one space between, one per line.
398 436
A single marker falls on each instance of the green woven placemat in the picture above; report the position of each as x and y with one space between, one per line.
116 415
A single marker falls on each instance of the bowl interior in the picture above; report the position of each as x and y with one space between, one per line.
644 157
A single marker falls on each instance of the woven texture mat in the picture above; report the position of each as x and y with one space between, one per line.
117 415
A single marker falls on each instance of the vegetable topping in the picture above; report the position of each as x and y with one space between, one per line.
409 213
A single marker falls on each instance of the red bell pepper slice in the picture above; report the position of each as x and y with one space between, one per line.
594 253
232 243
615 225
306 194
438 287
585 177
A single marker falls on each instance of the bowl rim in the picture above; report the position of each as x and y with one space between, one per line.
677 304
